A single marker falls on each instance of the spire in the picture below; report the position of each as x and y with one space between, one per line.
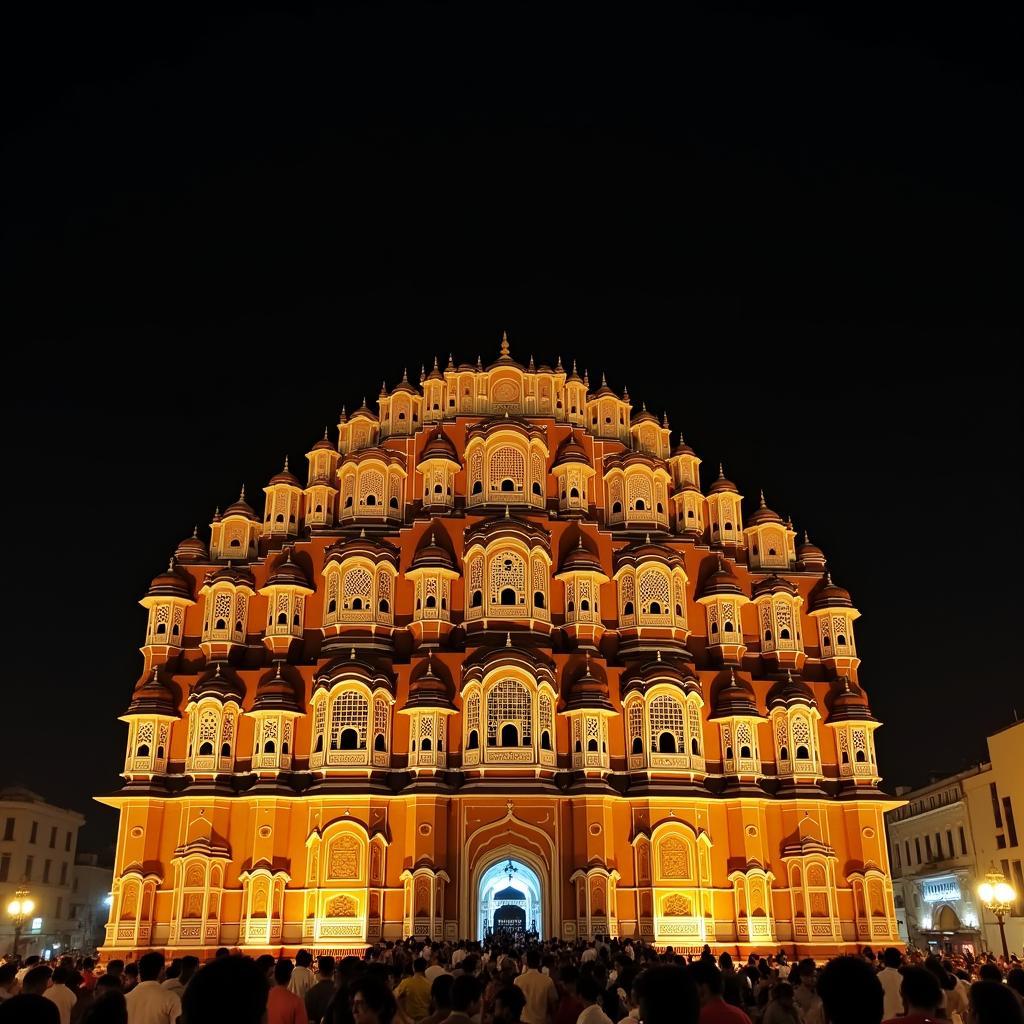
664 420
352 654
436 367
625 394
507 516
763 503
405 375
326 429
423 373
504 345
647 539
659 654
579 543
721 472
362 533
479 363
508 639
344 414
586 378
807 539
431 538
170 564
286 463
531 367
604 380
195 532
558 363
574 366
451 362
241 496
643 405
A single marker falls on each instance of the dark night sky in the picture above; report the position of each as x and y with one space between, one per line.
796 233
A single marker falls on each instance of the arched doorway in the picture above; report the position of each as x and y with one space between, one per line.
509 900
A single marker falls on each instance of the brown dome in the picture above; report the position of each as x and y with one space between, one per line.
324 443
736 697
571 450
374 550
439 446
277 689
588 692
236 575
285 477
404 385
789 691
830 595
669 670
241 508
847 703
643 416
221 682
773 585
155 695
172 582
192 549
365 412
763 514
722 484
287 574
810 555
429 690
581 559
682 449
433 556
721 581
647 551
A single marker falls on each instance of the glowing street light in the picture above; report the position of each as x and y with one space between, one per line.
998 897
20 910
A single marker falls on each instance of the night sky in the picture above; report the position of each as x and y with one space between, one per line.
794 233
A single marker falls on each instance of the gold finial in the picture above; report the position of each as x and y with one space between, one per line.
405 375
431 538
807 539
423 373
479 362
719 563
216 512
326 430
574 366
604 380
362 533
828 577
721 472
508 639
659 654
352 654
732 677
277 674
216 675
625 394
643 407
579 544
241 496
504 344
647 538
506 414
558 363
763 504
451 362
286 463
195 532
435 363
170 564
531 366
507 516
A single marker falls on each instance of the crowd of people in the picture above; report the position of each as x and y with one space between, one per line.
552 982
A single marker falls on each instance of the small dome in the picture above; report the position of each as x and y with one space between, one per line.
432 556
647 551
404 385
429 690
276 690
830 595
219 681
376 551
721 581
848 703
809 555
682 449
435 373
365 412
287 574
439 446
604 391
571 450
192 549
588 692
773 585
643 416
661 671
581 559
236 575
172 582
573 375
241 508
155 695
763 514
789 691
324 443
285 477
722 484
736 697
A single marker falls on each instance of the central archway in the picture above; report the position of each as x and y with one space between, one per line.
509 898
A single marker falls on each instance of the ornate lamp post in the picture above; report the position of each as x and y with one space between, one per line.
20 909
997 896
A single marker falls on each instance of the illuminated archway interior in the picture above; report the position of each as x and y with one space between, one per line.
506 888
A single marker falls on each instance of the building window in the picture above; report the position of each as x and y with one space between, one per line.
5 867
991 788
917 847
28 868
896 851
949 840
67 842
64 873
1011 826
906 850
938 846
46 870
928 847
60 906
53 837
35 827
9 829
963 840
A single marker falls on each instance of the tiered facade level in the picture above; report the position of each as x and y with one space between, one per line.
499 621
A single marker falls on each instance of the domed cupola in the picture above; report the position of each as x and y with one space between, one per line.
589 710
770 540
651 583
684 467
573 470
360 576
432 572
582 575
274 711
663 701
286 591
192 550
372 484
227 594
636 489
320 498
832 609
649 436
150 716
435 395
283 505
438 464
234 535
794 715
352 700
575 400
214 706
725 512
360 430
854 725
608 415
777 603
506 463
167 600
508 576
735 710
723 600
428 708
401 412
809 557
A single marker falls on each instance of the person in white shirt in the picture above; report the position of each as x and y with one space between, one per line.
436 969
149 1002
303 979
187 966
539 989
60 995
589 991
891 980
31 962
590 953
459 955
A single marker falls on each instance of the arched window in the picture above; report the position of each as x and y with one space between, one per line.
478 487
783 634
474 740
545 740
783 753
508 596
383 607
143 750
349 740
744 751
371 499
840 639
729 628
508 485
627 608
802 754
574 492
666 743
205 749
592 745
859 757
509 736
282 619
767 634
379 743
478 599
638 745
538 599
537 488
268 747
617 508
694 747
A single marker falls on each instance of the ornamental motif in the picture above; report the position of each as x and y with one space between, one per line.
343 860
341 906
674 858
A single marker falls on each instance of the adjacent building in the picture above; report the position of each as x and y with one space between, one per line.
502 662
943 841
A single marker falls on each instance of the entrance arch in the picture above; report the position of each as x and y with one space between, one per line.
510 897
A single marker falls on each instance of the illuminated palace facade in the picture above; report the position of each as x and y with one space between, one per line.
501 657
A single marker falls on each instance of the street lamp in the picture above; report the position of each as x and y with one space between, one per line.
997 896
20 909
